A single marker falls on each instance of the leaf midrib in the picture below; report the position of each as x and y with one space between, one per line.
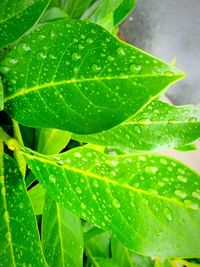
24 91
107 179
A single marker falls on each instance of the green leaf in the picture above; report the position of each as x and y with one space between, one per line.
19 235
52 141
120 254
75 8
81 63
53 14
17 17
103 262
67 248
155 127
104 9
1 95
123 10
37 197
189 147
99 245
149 202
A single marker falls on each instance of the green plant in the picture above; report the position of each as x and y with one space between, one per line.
74 87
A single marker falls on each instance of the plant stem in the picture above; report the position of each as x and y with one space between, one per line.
11 143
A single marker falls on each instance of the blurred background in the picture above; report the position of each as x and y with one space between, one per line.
169 29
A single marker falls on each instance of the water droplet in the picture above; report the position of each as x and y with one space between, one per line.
193 119
83 36
163 161
168 214
151 169
114 163
168 73
77 154
76 56
52 178
78 190
83 206
121 51
23 48
40 56
90 41
96 67
196 194
180 193
116 203
137 129
135 68
182 178
80 46
51 56
190 204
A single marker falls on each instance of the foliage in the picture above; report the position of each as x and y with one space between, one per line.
81 115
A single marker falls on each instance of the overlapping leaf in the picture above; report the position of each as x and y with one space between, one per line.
17 17
148 201
123 11
1 95
157 126
19 236
67 248
64 63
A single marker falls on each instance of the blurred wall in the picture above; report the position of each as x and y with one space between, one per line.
168 29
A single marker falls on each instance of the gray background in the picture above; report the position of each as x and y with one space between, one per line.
169 29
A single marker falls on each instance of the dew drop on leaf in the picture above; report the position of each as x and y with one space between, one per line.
135 68
180 194
52 178
196 195
96 67
121 51
151 169
76 56
168 73
168 214
193 119
182 178
116 203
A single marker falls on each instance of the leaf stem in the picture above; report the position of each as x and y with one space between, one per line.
11 143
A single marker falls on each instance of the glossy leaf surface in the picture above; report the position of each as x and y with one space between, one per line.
157 126
19 237
17 17
67 248
81 63
123 10
149 202
1 95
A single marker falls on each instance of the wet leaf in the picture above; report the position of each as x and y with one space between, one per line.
80 62
155 127
17 17
67 248
147 201
19 237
